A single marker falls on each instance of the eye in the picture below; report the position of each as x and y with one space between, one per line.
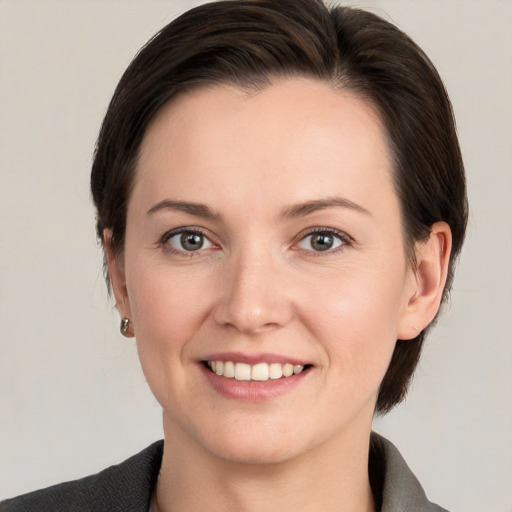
188 240
322 241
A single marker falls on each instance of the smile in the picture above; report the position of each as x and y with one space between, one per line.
258 372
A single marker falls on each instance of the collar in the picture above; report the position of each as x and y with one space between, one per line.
130 485
394 486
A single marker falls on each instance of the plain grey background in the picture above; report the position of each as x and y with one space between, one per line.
73 399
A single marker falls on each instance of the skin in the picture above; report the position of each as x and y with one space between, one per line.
258 286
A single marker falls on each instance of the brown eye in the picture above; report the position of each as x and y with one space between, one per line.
321 241
189 241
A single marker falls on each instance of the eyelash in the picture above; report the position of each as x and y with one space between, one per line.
180 231
345 241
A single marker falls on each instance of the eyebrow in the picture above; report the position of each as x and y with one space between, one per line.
196 209
303 209
297 210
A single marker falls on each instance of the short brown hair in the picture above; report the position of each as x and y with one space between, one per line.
248 43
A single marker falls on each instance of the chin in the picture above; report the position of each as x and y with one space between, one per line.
253 446
254 453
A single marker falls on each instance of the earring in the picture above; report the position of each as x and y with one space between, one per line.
125 326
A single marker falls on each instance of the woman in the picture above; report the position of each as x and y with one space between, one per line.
280 197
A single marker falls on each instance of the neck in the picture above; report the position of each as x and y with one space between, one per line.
332 477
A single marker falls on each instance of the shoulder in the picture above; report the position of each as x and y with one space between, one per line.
394 482
126 486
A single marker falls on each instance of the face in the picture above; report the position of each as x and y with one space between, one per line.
264 237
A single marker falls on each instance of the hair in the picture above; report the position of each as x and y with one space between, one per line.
250 44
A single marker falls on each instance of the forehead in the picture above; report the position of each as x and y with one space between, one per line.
295 139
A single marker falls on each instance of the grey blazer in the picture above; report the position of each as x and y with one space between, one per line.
128 486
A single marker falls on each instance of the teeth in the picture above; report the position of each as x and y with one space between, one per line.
296 369
275 370
242 371
229 369
287 370
258 372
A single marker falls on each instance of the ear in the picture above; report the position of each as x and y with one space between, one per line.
429 278
118 281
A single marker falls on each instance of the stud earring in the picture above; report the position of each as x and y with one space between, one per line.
125 327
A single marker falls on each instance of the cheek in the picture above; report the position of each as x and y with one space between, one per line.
168 308
356 319
166 300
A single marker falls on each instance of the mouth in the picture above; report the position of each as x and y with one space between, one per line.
260 372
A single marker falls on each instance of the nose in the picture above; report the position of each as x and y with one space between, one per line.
255 296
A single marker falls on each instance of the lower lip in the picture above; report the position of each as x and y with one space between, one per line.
252 391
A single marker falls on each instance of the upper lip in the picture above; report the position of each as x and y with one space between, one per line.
252 359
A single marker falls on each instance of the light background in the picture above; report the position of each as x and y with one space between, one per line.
72 397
